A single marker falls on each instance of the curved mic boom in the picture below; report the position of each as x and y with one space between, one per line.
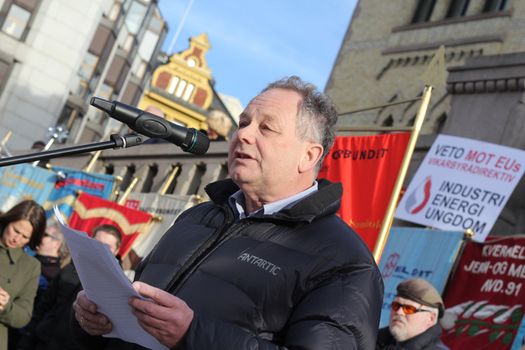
189 139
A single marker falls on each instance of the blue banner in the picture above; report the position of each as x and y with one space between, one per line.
23 181
72 181
416 253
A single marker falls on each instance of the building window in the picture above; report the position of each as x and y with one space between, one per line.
388 121
423 11
457 8
128 43
139 68
88 66
16 17
135 16
173 84
114 11
494 5
16 21
180 88
188 92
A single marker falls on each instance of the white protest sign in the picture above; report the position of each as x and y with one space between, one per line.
462 184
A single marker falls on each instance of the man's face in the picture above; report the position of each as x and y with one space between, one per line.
265 152
50 243
403 326
17 234
109 240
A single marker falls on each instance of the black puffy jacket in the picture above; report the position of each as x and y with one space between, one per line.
296 279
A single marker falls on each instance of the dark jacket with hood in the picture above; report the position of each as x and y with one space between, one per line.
428 340
299 278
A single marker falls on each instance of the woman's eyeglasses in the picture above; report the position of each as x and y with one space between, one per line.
407 309
51 236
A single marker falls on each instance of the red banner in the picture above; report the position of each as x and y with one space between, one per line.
367 166
91 211
485 298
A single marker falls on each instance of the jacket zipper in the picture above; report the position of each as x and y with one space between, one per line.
196 259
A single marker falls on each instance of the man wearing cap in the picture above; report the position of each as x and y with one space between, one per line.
414 324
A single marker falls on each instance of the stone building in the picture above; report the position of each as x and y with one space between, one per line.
388 45
56 54
386 49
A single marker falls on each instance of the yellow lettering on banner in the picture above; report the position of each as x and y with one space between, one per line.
365 224
8 184
24 180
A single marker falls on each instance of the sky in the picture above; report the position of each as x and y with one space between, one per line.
254 42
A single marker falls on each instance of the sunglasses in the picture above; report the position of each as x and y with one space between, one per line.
407 309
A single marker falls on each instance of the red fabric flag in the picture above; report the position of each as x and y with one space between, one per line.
367 166
91 211
484 300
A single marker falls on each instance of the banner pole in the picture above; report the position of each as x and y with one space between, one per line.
467 237
92 161
164 188
128 190
389 215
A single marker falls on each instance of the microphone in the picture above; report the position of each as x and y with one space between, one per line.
189 139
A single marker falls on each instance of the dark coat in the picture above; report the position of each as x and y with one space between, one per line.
49 328
428 340
299 278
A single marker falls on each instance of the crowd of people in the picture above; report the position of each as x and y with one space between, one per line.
265 264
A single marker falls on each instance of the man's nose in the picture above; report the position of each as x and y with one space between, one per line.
399 311
246 134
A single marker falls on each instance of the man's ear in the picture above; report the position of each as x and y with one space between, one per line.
311 156
433 318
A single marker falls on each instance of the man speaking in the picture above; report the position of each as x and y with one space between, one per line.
266 264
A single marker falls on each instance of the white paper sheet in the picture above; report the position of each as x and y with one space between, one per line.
106 285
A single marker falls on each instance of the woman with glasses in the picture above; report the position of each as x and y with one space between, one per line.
24 224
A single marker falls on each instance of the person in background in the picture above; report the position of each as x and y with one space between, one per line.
51 252
49 328
267 263
219 126
414 324
22 224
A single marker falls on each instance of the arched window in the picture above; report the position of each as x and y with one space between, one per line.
440 123
388 121
457 8
494 5
423 11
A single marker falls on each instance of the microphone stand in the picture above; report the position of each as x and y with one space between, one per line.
117 141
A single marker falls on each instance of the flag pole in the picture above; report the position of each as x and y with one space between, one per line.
166 185
92 161
389 216
128 190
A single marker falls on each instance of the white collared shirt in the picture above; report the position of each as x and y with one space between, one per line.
237 202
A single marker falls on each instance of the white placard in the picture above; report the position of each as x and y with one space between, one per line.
461 184
106 285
